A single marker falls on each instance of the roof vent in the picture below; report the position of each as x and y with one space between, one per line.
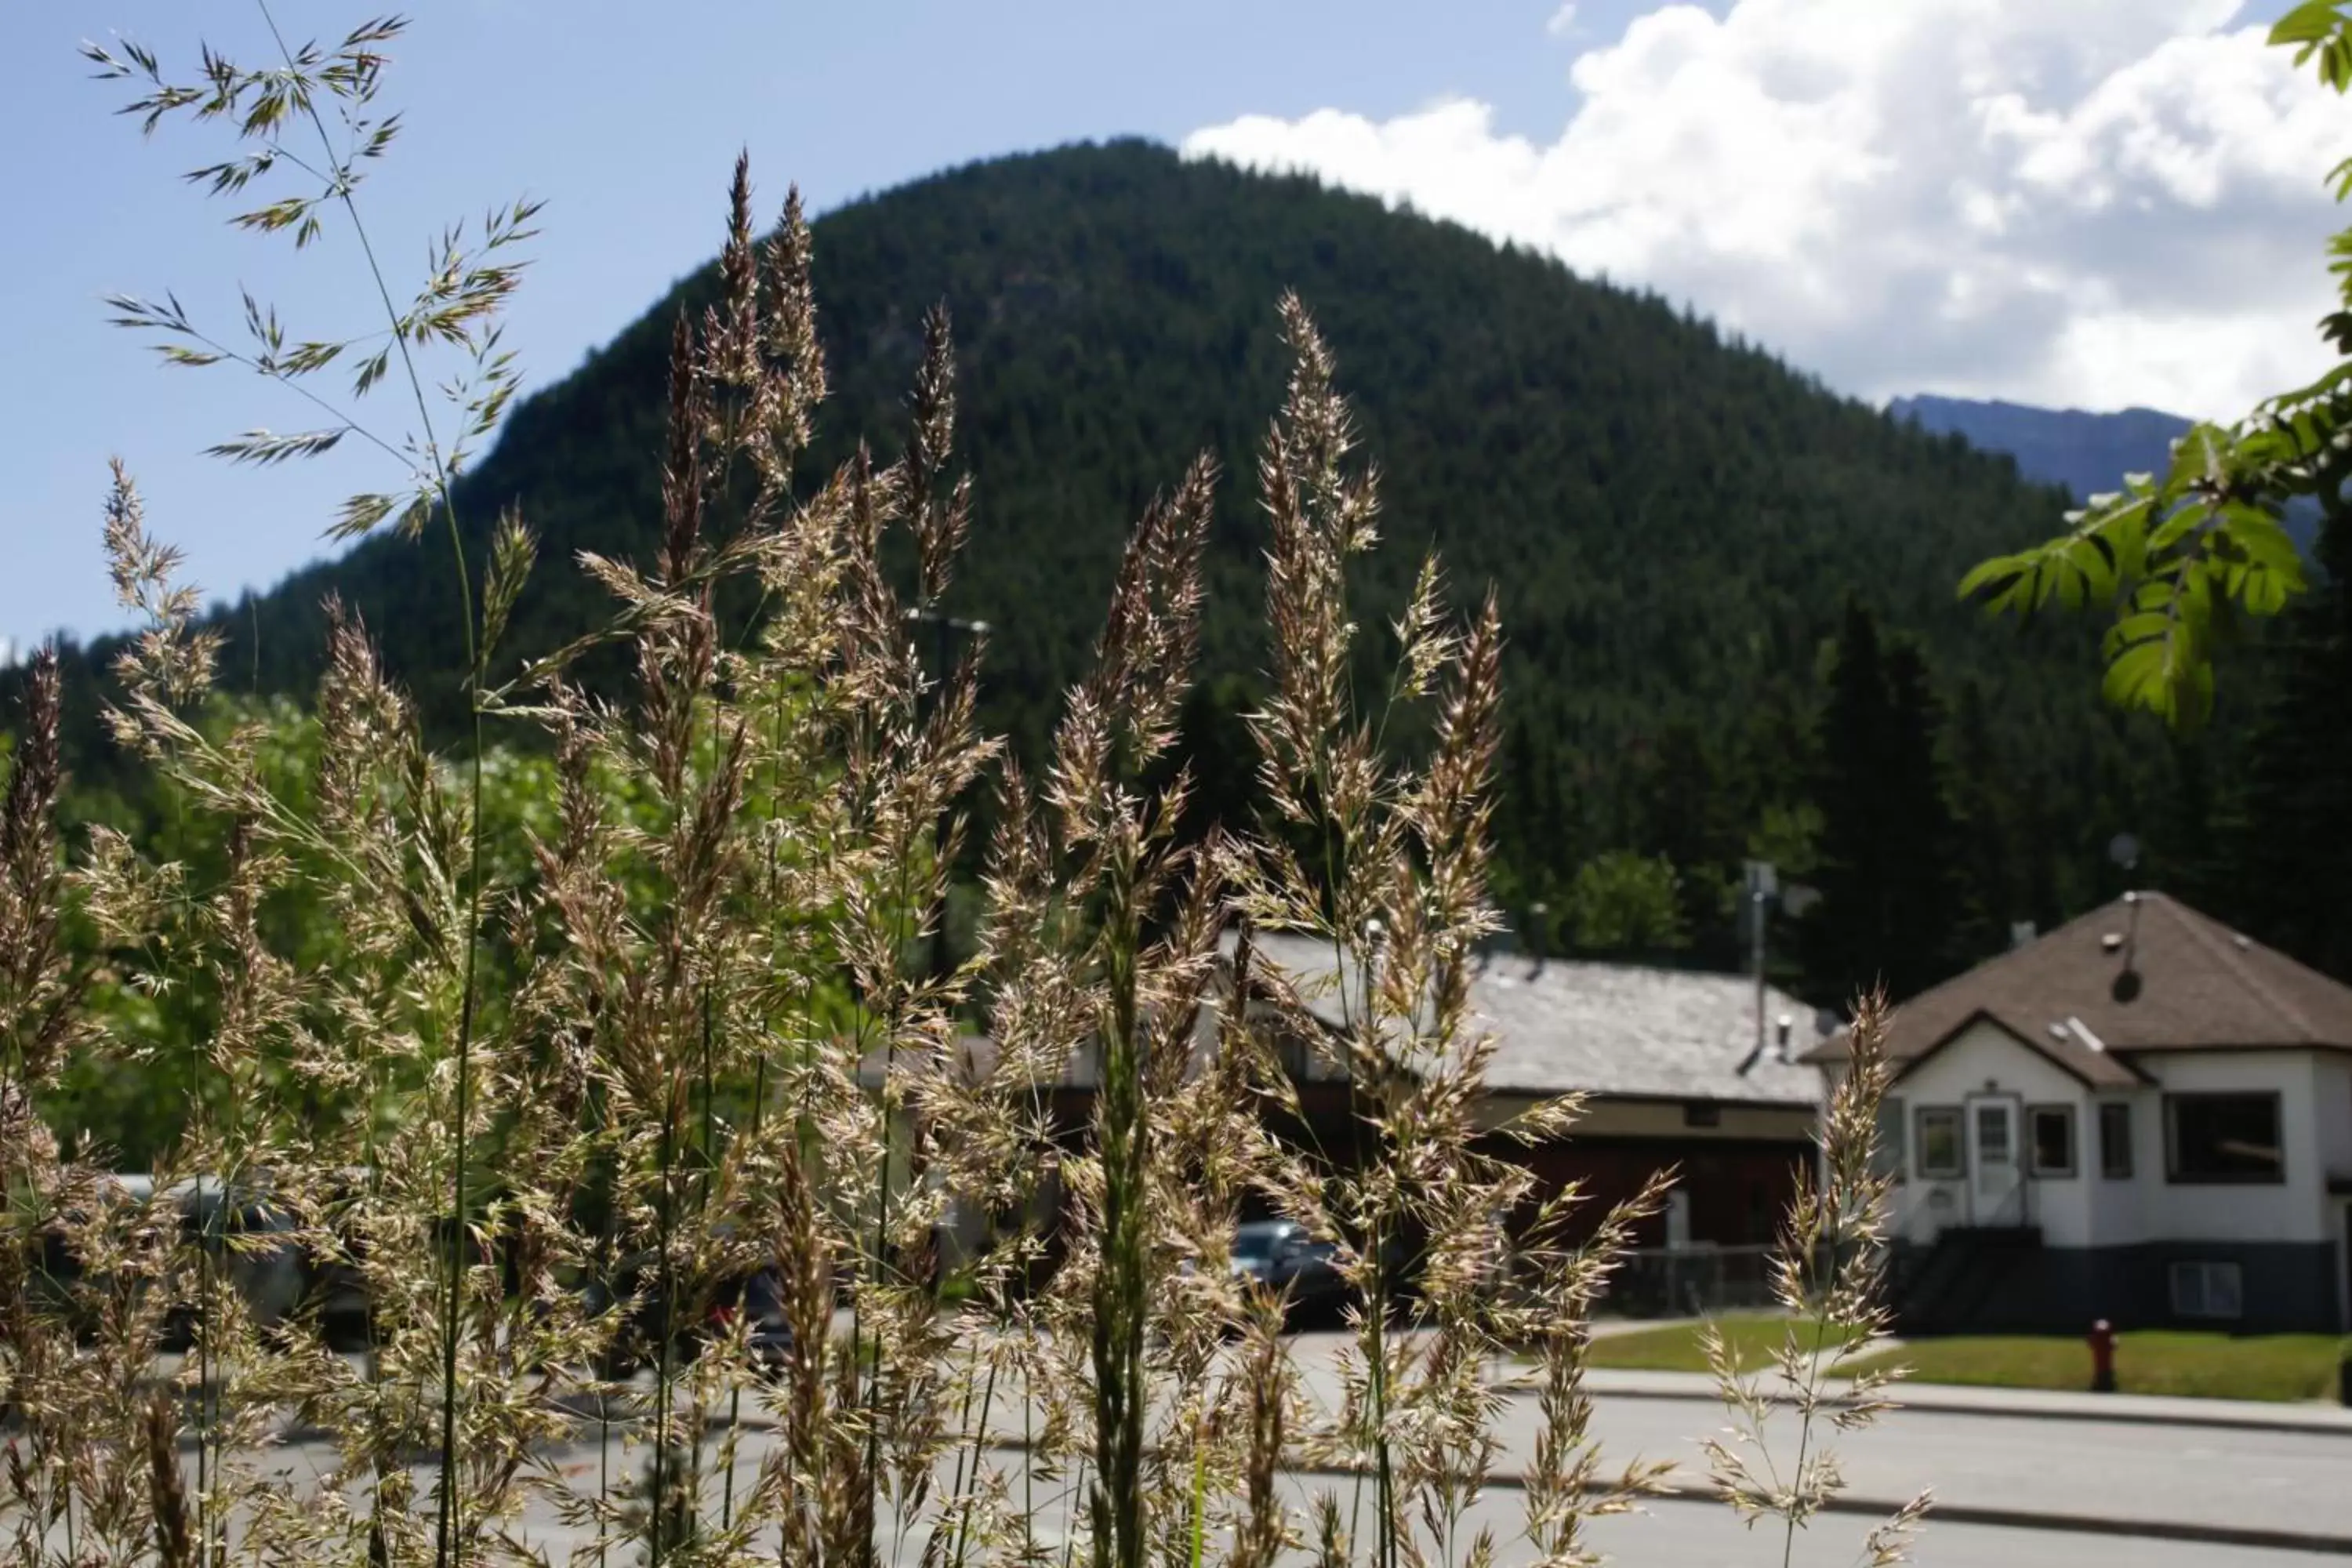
2244 943
2021 934
2131 897
2057 1031
1785 1024
2112 941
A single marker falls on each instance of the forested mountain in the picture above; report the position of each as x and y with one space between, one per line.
1678 525
2084 454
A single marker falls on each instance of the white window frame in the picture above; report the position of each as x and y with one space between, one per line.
1957 1116
2173 1105
2033 1166
1894 1140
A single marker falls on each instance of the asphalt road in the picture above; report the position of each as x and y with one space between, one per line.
1671 1534
2100 1491
2105 1470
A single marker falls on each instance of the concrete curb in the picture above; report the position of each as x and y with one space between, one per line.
2010 1519
2088 1524
1948 1513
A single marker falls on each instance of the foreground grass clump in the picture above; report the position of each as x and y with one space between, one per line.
2281 1367
654 1110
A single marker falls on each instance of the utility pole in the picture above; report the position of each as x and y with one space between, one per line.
1762 883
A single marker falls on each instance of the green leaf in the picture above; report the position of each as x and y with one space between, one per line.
1999 575
2305 23
2178 527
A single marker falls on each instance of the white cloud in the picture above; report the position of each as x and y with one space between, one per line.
1563 21
2069 201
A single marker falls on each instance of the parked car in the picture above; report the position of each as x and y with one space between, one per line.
209 1216
58 1273
1279 1257
270 1278
335 1285
757 1296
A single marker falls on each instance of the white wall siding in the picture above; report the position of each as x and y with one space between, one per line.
2294 1210
2332 1105
1985 1060
2123 1210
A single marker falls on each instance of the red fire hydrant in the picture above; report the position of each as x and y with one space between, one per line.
2103 1357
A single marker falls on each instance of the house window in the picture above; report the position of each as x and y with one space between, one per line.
1701 1113
1888 1156
2205 1289
2114 1141
2052 1131
2223 1137
1941 1155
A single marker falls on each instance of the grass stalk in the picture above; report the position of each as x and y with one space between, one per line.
1119 1288
448 1541
667 1327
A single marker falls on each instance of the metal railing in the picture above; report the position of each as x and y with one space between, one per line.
1689 1281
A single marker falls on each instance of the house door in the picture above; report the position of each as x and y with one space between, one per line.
1678 1215
1996 1176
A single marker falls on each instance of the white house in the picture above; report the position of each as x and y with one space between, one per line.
2142 1116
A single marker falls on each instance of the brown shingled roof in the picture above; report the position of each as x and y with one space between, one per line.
2144 974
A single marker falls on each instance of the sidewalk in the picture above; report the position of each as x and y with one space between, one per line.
1960 1399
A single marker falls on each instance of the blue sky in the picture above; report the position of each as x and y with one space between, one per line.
1780 163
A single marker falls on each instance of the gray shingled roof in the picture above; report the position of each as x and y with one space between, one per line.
1606 1029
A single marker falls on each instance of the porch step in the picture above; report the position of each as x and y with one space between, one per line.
1946 1288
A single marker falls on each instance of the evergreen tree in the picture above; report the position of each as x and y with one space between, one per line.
1687 822
1922 850
1217 753
1579 448
1623 905
1993 898
1887 872
2292 843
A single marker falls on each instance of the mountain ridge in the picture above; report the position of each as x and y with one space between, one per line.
2084 451
1674 520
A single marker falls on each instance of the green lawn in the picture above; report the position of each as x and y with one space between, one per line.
2286 1367
1675 1347
2198 1365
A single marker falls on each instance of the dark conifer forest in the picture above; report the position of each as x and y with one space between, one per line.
1728 593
